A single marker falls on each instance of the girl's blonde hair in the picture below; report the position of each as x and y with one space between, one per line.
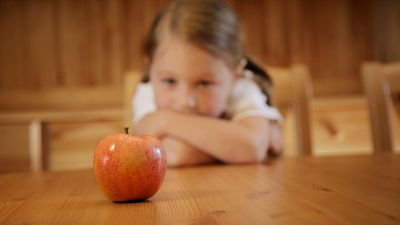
209 24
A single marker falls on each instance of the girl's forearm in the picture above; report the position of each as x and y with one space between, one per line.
224 140
180 153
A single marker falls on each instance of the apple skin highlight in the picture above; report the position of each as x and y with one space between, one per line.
129 168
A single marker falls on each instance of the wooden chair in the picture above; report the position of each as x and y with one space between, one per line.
292 95
24 146
56 128
381 83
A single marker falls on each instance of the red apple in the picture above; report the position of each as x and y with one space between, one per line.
129 168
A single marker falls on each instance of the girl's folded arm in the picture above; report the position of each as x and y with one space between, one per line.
234 142
180 153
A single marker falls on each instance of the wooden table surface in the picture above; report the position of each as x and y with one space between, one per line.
334 190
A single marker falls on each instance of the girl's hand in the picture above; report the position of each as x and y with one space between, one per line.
276 144
155 124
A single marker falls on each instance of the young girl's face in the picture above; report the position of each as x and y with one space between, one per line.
190 80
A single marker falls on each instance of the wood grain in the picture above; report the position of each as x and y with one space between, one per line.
92 43
334 190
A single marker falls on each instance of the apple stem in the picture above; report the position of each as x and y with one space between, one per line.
126 130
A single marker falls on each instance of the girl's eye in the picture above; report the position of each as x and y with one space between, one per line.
204 83
169 81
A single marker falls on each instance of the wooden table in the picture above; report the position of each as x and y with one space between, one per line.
336 190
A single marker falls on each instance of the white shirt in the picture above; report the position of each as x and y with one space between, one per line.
246 100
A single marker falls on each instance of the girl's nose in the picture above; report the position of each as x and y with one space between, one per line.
187 102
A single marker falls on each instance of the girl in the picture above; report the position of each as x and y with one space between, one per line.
200 94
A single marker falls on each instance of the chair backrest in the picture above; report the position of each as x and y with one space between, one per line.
61 99
381 82
131 79
292 94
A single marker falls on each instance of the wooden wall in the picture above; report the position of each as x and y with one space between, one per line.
90 43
